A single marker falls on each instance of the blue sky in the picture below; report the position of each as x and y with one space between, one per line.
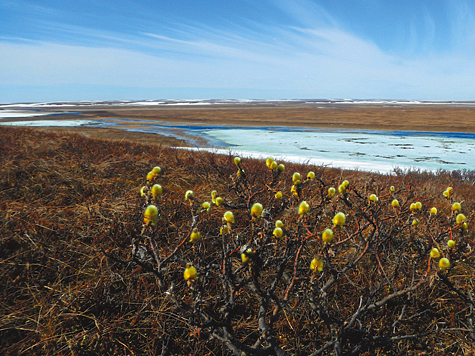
263 49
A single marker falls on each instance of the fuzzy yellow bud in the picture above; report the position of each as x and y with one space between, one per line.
279 223
456 207
189 194
296 178
434 253
316 264
415 222
156 191
237 161
247 255
444 263
331 192
190 272
218 201
256 210
339 219
310 175
418 205
392 189
464 226
195 235
228 217
142 191
449 190
153 173
451 243
278 195
304 208
373 198
342 189
278 232
433 211
446 194
214 193
460 218
345 183
269 161
206 206
413 207
327 236
156 170
150 215
395 203
273 166
281 168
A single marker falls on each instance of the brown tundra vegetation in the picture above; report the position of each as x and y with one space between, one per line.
88 267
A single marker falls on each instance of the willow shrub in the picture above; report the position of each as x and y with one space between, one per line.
341 273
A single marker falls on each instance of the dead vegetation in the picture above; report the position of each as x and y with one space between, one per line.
81 274
442 118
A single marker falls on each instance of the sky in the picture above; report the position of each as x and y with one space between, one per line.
56 50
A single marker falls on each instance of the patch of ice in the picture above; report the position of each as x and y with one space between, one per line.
4 114
353 150
50 123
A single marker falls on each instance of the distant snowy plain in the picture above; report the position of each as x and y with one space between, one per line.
379 151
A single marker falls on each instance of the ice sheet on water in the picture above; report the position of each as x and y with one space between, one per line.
355 149
4 114
50 123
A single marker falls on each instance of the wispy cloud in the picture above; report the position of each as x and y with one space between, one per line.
310 54
462 20
306 13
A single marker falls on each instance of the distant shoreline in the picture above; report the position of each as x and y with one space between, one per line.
444 116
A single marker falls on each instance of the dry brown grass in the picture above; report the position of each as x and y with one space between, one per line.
118 135
71 214
407 117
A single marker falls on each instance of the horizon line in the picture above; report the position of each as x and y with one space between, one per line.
242 100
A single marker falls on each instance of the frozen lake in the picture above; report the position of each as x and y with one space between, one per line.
356 149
